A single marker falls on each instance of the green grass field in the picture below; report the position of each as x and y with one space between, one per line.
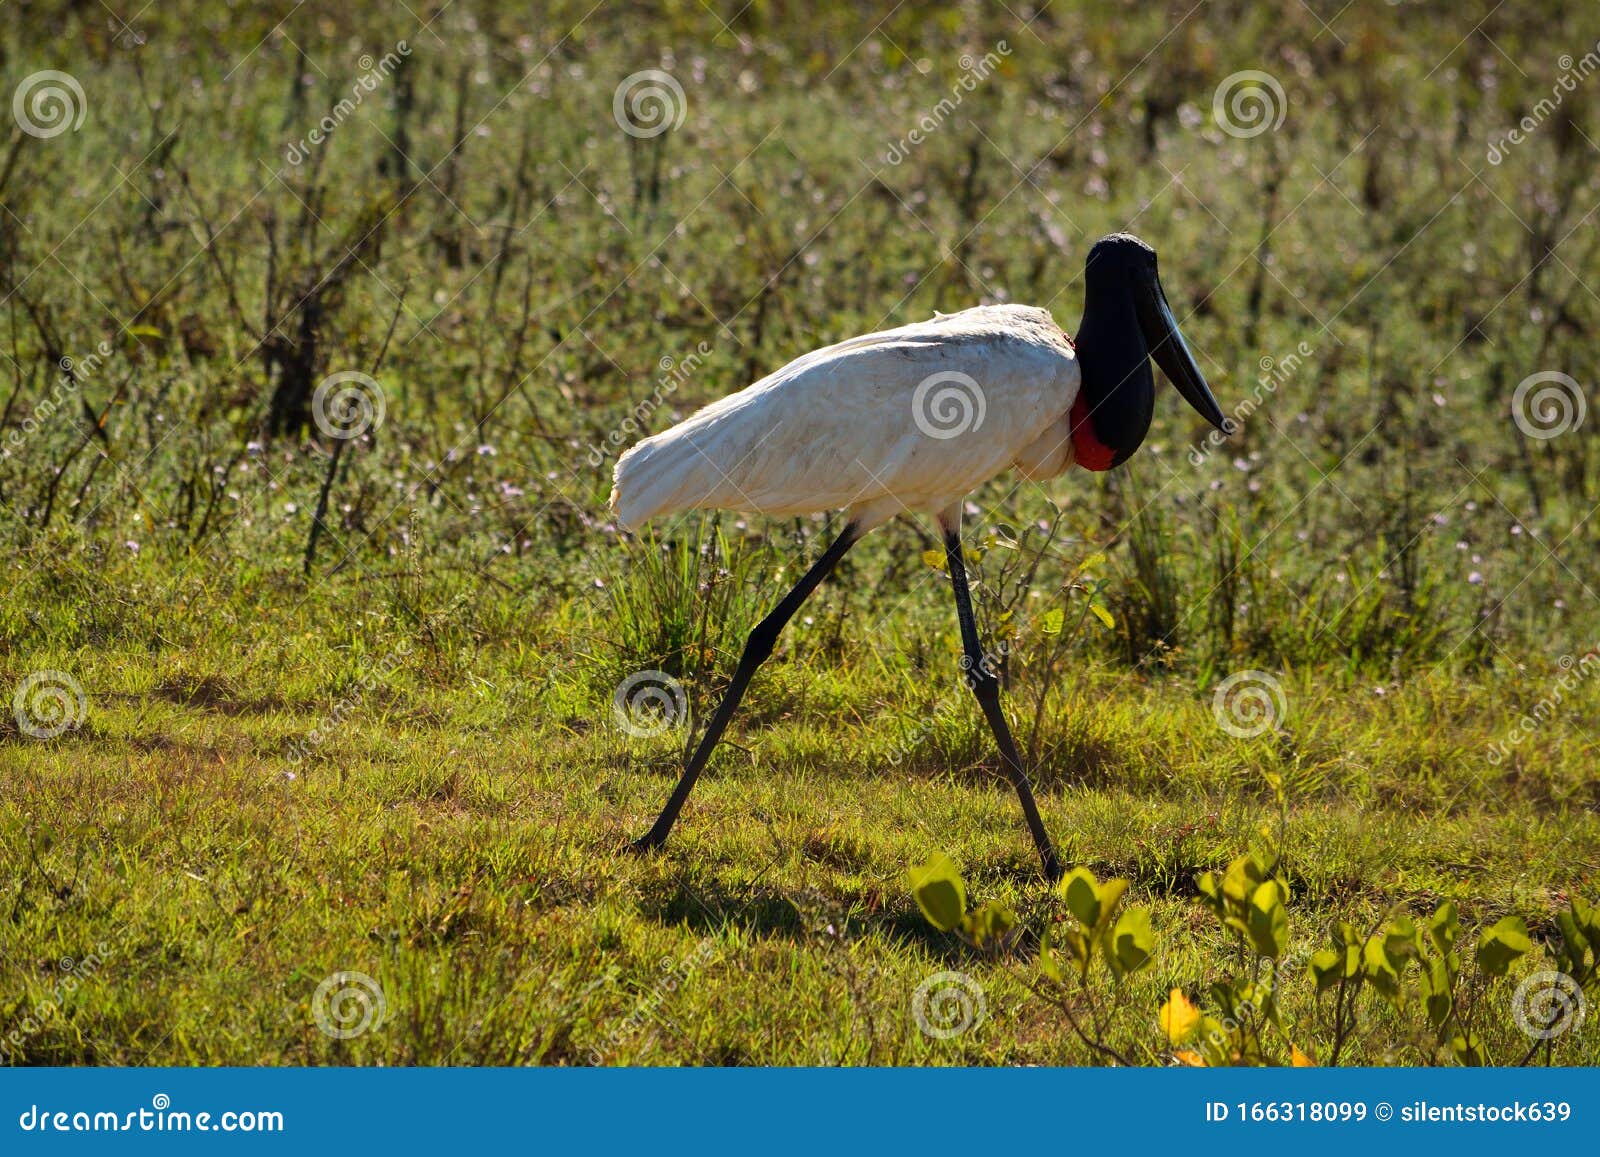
286 706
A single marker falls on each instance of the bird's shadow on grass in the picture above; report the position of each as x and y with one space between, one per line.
709 907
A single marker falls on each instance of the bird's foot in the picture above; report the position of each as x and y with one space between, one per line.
645 844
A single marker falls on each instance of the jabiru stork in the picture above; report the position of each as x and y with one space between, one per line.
909 421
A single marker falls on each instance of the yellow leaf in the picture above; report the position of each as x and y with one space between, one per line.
1179 1017
1189 1057
1093 562
1103 615
935 558
1299 1059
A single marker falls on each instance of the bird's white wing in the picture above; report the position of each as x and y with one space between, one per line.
911 418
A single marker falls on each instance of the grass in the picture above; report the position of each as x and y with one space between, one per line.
458 838
394 752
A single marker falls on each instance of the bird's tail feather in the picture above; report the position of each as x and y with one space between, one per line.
658 476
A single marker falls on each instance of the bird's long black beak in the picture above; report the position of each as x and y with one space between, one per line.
1171 354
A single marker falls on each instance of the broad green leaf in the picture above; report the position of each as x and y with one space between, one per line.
1082 894
1572 942
989 924
1047 960
1130 942
1587 917
1469 1050
1242 878
1327 967
1444 927
1110 895
1380 971
1051 622
939 892
1100 612
1503 944
1436 991
1401 939
1211 892
1076 941
1267 921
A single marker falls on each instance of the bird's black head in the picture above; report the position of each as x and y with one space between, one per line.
1126 322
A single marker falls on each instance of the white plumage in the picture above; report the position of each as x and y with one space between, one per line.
909 421
906 420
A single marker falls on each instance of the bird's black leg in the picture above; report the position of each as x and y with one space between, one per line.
756 650
986 687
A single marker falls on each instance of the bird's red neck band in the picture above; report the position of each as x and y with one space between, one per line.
1089 451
